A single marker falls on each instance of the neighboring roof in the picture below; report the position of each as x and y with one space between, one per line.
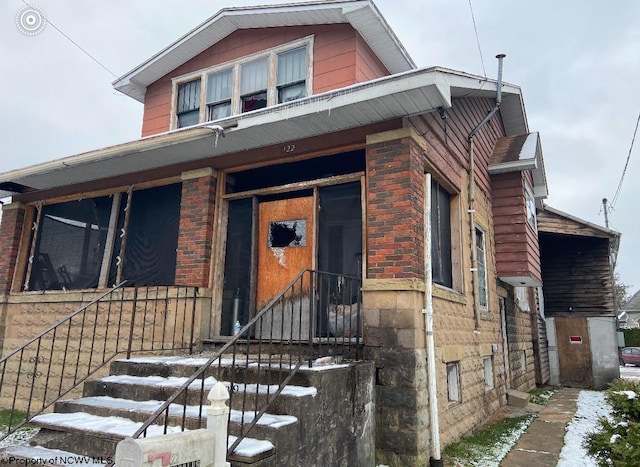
554 221
633 305
517 153
573 225
412 93
361 14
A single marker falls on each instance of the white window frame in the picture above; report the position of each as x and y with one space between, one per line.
530 203
522 299
453 382
235 66
481 263
487 363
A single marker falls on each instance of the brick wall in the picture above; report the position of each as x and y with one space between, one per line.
395 206
193 259
10 233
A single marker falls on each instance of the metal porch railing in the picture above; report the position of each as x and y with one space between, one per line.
121 321
316 314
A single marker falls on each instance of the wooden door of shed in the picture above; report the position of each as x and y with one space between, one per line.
285 244
574 352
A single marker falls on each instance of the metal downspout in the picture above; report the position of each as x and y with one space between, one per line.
434 424
472 183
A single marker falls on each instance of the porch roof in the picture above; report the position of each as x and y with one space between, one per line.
401 95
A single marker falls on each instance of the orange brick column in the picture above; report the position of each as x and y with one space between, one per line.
197 207
10 233
395 211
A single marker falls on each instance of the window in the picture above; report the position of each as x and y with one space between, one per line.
487 363
531 207
481 259
72 249
188 104
281 74
441 267
522 299
219 94
292 71
523 360
453 382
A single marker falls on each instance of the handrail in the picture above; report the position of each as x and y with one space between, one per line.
281 320
69 352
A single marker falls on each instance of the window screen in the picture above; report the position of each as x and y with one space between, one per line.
152 236
70 245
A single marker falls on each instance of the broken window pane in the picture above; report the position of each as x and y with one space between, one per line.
288 233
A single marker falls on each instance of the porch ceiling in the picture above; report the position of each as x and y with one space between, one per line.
411 93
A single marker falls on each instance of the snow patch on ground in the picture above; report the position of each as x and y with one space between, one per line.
591 407
22 436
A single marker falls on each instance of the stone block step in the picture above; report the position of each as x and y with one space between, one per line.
97 436
141 388
139 411
250 370
517 398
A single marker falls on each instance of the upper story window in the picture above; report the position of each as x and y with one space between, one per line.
274 76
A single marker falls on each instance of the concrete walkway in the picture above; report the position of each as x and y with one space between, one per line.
541 444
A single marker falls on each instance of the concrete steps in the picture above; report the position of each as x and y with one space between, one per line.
306 422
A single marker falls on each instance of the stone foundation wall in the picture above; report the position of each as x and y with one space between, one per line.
162 321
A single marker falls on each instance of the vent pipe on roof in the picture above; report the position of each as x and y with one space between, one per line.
500 57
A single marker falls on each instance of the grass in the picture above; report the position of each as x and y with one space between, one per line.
488 445
6 417
541 395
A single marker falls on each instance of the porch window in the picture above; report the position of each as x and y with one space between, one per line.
188 104
441 266
481 259
81 245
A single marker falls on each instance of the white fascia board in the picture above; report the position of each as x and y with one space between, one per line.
362 15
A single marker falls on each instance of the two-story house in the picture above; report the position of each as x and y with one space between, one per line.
302 136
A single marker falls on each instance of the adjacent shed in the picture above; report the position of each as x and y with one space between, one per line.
578 259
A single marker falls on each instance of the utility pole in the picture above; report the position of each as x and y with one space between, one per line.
606 212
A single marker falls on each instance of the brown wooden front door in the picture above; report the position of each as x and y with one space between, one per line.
574 352
285 244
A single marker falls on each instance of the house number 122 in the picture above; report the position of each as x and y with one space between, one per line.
290 148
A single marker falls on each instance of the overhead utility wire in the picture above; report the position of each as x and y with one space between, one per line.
75 43
624 171
477 39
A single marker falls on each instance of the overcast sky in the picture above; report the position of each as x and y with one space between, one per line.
577 62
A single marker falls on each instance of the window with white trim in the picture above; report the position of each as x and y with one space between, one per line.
481 259
487 363
531 206
453 382
522 299
277 75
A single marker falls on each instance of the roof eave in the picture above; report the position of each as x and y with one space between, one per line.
363 15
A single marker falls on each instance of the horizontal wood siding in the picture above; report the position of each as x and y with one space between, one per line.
448 150
334 63
577 274
368 66
552 223
517 248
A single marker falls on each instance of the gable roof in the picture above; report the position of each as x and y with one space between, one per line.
361 14
633 305
517 153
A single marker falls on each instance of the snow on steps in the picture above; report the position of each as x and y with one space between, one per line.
118 428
